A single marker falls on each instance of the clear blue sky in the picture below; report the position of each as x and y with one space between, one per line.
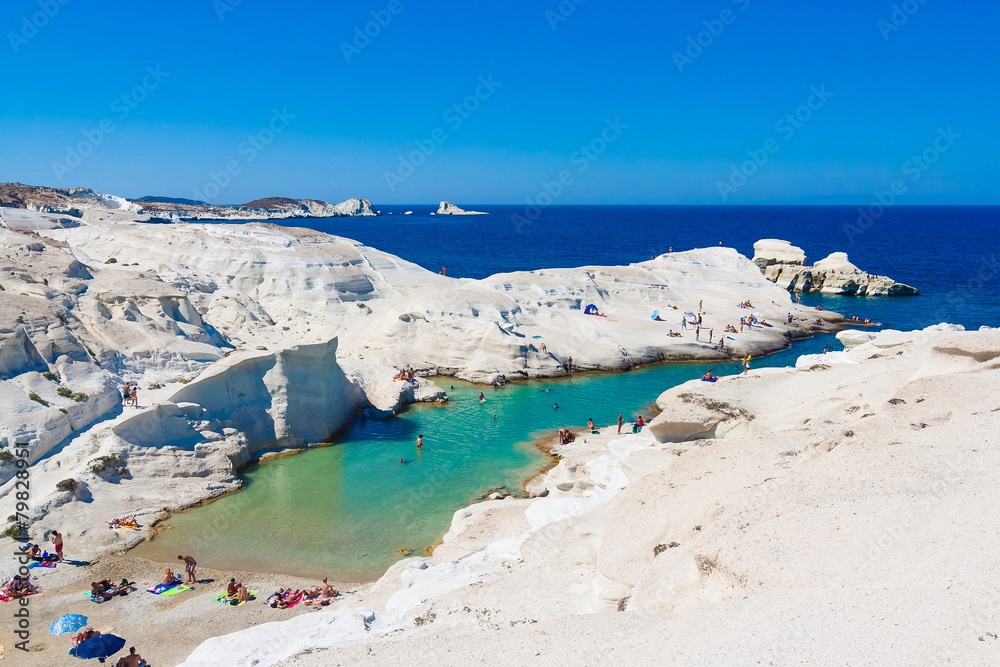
560 81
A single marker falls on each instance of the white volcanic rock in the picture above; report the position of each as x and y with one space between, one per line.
775 251
262 285
851 338
355 207
447 208
288 398
18 355
836 262
114 202
784 265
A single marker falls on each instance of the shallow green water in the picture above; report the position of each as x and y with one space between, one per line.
343 511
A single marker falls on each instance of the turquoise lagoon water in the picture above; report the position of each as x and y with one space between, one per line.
343 511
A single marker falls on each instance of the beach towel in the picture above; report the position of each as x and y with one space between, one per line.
43 563
160 588
177 591
5 598
123 529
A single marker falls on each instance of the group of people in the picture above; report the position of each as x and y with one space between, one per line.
752 320
190 566
867 320
697 334
405 375
130 395
37 554
745 304
19 587
104 590
636 425
236 592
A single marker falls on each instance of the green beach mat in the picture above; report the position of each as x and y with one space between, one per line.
176 590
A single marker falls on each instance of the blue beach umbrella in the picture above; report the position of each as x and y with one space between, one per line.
67 623
100 646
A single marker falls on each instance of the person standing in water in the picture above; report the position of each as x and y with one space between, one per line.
482 397
620 422
420 441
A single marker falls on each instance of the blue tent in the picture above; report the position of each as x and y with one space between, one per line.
591 309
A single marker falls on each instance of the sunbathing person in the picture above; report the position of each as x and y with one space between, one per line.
124 586
327 590
127 522
242 594
170 578
84 635
98 592
276 597
19 587
290 599
232 588
709 376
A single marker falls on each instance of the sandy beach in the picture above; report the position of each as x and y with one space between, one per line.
163 629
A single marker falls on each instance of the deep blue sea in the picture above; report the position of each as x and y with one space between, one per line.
949 253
